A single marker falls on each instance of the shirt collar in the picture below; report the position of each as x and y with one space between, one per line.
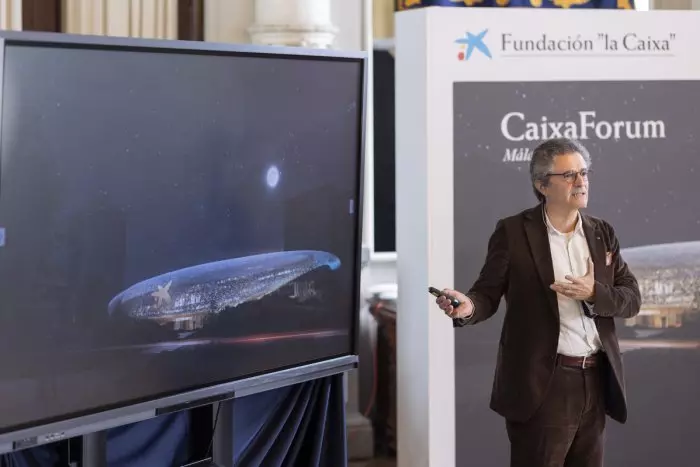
552 230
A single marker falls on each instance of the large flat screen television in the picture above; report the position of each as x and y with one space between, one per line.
172 216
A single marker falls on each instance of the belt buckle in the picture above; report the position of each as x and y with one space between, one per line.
583 363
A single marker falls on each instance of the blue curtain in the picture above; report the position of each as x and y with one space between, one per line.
160 441
294 426
297 425
605 4
41 456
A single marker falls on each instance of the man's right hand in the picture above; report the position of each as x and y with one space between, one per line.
464 310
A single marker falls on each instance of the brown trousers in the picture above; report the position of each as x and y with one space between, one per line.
568 429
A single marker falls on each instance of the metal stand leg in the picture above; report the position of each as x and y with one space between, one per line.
223 434
94 450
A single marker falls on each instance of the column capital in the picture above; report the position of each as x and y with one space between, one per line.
302 23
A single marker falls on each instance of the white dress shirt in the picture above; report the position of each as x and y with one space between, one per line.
578 335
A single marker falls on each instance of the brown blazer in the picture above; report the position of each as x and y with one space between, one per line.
519 266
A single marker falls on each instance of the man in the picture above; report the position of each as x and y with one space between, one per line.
558 368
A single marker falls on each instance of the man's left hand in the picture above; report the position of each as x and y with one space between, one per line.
578 288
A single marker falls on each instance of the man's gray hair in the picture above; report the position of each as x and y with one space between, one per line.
543 159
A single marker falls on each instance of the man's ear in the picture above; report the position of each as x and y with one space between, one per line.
541 188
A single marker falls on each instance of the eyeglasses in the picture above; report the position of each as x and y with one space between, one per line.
570 175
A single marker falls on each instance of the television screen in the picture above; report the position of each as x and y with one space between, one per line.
171 219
